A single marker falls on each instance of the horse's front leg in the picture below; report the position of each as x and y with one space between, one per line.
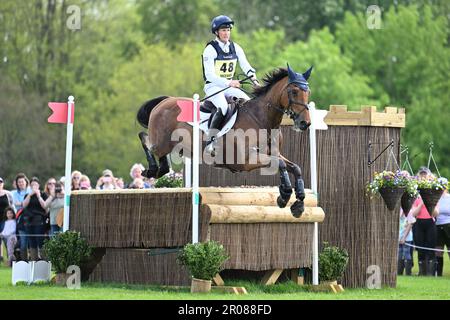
153 167
298 207
285 186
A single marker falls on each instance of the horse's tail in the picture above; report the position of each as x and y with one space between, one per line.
144 111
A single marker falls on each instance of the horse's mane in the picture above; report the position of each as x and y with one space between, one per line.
269 80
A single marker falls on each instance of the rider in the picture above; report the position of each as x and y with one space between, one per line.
219 65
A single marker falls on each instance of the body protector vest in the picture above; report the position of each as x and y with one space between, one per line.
225 63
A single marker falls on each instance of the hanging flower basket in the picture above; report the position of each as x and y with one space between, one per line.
431 190
430 198
391 196
410 195
390 186
406 202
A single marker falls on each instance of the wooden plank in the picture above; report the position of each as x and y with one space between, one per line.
295 277
388 120
337 108
256 214
391 110
218 281
229 289
249 189
271 276
252 199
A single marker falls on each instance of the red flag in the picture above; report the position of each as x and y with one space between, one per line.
60 112
187 111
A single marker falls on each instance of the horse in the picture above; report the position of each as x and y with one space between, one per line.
283 92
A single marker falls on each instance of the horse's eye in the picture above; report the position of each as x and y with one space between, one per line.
295 93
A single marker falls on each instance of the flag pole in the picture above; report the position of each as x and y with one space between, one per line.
195 170
313 170
68 176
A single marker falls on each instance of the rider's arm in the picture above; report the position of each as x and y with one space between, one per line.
209 54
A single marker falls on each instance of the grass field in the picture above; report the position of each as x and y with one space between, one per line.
412 287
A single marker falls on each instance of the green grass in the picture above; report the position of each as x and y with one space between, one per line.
412 287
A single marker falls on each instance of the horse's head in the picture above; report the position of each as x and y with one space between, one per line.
295 101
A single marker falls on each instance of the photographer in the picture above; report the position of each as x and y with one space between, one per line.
54 204
35 215
106 181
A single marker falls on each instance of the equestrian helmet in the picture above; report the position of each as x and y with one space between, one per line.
220 21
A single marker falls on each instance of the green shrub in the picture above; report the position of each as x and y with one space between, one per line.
332 263
65 249
203 259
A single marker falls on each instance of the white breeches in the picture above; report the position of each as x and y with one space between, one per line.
219 100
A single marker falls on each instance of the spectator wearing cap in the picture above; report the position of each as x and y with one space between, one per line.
424 232
35 215
443 230
106 181
136 173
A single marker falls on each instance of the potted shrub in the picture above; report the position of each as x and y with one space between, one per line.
431 190
332 264
389 185
203 261
66 249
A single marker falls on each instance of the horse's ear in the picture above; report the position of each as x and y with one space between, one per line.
307 73
291 73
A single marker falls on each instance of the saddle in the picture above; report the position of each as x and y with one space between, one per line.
233 106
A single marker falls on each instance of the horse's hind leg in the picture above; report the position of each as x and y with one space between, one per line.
298 207
153 167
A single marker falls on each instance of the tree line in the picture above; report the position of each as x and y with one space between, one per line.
126 52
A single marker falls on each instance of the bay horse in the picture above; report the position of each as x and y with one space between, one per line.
283 92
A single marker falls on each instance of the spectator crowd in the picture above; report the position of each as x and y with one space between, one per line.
33 211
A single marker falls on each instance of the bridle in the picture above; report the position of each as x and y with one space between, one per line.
288 110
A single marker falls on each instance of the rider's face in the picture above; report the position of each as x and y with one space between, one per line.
224 34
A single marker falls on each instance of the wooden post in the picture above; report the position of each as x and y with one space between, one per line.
271 276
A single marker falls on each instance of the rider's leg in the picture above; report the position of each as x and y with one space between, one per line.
221 104
235 92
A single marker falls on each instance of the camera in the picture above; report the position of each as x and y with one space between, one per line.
58 189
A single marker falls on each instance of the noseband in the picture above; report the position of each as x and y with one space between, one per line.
288 111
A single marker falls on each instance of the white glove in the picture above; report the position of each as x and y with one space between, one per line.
255 80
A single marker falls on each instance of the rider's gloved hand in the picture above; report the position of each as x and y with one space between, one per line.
255 80
235 84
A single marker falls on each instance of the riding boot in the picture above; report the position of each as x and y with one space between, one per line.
215 124
439 266
422 268
400 267
408 267
431 268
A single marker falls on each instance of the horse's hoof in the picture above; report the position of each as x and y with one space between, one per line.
150 172
297 209
281 203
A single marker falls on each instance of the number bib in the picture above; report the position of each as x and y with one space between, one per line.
225 68
224 63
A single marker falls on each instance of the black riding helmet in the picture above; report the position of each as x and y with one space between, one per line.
221 21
